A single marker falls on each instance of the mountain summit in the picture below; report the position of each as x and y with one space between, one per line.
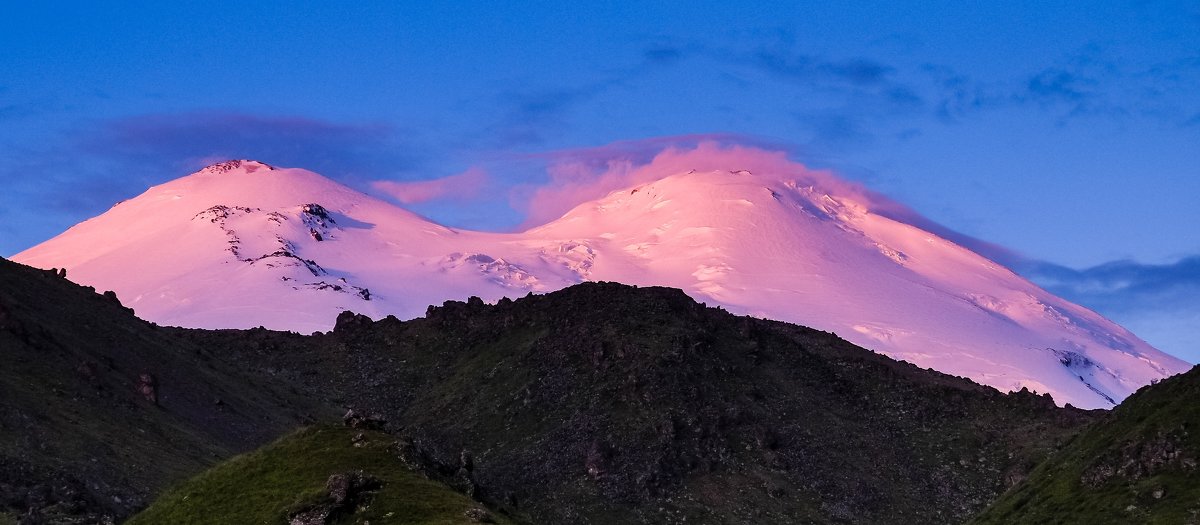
242 244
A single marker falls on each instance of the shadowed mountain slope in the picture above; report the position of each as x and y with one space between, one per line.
101 410
599 403
604 403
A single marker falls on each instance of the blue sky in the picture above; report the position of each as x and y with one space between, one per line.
1067 132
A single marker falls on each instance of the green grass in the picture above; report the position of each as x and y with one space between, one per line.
264 486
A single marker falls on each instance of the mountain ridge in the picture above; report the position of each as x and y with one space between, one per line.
608 403
288 249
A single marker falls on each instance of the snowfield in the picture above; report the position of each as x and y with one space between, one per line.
241 244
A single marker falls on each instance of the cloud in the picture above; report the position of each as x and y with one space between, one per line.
663 55
835 129
463 186
957 95
580 175
1124 285
1159 302
189 140
858 71
85 169
529 118
576 176
815 71
1061 85
1091 82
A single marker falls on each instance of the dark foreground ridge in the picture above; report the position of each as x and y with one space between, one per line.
99 410
600 403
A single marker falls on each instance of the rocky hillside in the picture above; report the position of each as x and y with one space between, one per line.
599 403
604 403
1136 465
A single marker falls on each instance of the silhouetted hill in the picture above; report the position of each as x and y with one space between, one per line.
599 403
101 410
605 403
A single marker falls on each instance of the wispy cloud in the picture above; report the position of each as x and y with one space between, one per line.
1160 302
861 72
530 118
1125 285
579 175
96 163
1087 83
575 176
192 139
663 54
466 186
1060 85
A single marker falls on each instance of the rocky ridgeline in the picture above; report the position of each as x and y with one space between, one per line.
249 166
625 404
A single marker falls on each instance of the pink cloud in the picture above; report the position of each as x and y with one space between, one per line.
578 176
583 175
465 185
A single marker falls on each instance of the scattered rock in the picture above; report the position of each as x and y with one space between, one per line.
348 320
317 516
343 495
355 419
596 459
479 515
147 386
1141 459
464 479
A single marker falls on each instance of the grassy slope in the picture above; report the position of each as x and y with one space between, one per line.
264 486
1111 472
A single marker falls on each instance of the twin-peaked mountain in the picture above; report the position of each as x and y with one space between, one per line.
242 244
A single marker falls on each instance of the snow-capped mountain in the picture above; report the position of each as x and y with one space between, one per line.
242 244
